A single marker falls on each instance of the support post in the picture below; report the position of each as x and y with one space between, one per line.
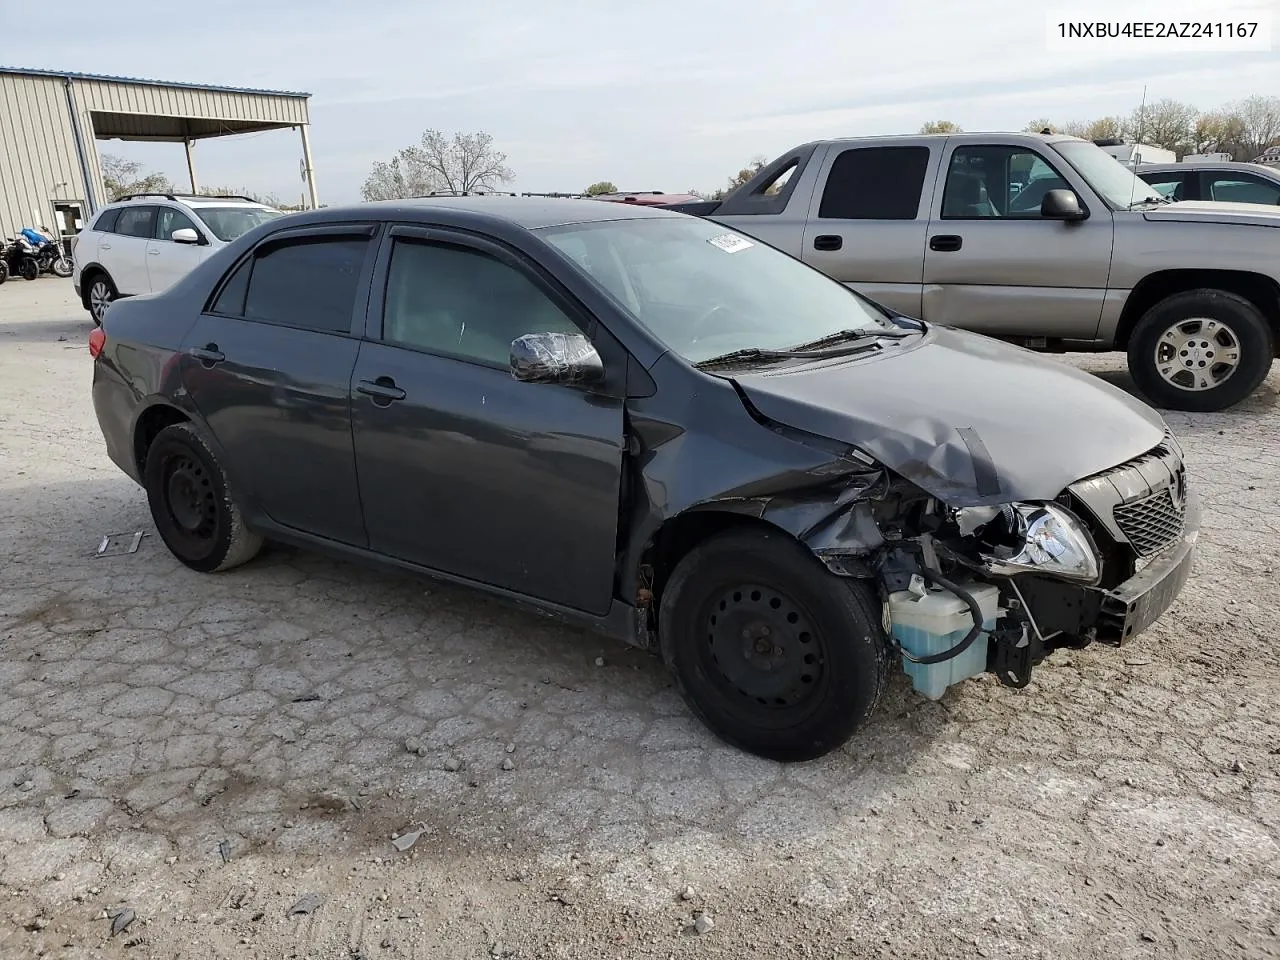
191 166
307 169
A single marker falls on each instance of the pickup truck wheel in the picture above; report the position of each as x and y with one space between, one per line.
775 654
1201 350
192 505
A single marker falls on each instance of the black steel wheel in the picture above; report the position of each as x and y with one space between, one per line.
191 505
28 269
775 654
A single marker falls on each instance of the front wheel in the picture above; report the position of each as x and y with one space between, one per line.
1201 350
192 503
775 654
4 271
61 267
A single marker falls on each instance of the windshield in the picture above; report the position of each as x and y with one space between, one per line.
227 223
1115 182
706 291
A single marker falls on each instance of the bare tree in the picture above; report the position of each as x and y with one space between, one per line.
603 186
1260 122
463 163
1039 126
1222 131
1101 129
941 126
1166 123
122 177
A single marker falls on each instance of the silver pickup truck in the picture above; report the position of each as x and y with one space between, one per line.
1045 241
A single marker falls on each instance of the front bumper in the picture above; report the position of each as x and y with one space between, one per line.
1140 601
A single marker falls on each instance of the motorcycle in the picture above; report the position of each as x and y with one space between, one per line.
51 259
19 257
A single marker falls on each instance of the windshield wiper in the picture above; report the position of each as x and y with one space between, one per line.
844 336
863 341
745 356
1156 199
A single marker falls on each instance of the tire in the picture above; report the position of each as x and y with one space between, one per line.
61 267
192 505
98 296
1216 349
829 662
29 269
4 271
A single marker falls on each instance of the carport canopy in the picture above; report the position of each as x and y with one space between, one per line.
172 129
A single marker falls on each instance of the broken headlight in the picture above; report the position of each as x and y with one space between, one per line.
1042 538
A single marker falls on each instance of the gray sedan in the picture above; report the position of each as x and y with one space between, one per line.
654 426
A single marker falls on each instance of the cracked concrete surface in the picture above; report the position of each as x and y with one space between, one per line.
301 710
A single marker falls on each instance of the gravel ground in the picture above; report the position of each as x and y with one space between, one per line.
208 750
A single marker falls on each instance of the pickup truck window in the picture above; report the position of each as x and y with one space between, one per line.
997 181
1242 188
875 183
1113 181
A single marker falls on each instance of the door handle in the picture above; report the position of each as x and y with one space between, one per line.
945 243
828 241
104 246
382 391
153 253
208 355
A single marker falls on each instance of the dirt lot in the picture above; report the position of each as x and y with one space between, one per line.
206 751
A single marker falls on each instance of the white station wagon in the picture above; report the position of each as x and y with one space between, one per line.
145 243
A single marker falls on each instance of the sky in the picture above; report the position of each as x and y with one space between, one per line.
664 95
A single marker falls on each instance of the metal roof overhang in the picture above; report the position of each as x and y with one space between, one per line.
172 129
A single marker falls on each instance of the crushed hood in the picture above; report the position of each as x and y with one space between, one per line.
968 419
1206 211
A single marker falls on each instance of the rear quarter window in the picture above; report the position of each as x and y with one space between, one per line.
106 222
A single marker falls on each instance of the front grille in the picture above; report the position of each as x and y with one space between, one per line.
1155 522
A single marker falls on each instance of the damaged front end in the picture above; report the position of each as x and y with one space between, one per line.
974 589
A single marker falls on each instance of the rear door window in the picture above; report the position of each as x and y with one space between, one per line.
1172 185
308 282
137 222
875 183
1242 188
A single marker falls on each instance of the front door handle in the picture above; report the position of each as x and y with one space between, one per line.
104 246
382 391
153 253
945 243
828 241
208 355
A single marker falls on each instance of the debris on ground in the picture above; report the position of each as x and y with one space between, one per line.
687 893
507 764
407 839
702 923
453 765
121 918
511 748
599 661
224 850
308 903
1237 766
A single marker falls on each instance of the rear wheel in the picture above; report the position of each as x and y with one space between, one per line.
100 295
4 271
775 654
192 504
1201 350
29 269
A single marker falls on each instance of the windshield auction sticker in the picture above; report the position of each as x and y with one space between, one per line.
731 243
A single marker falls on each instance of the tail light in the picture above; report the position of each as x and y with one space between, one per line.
97 340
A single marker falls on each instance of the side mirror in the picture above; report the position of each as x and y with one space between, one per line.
555 358
1061 205
185 235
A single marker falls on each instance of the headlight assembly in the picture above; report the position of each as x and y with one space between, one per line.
1044 539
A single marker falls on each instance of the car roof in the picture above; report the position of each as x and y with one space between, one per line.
531 213
1239 166
189 200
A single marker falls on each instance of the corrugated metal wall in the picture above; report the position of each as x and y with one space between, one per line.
37 152
37 140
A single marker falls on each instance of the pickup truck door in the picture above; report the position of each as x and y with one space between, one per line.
867 220
991 264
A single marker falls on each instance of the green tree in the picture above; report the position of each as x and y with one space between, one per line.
603 186
122 177
941 126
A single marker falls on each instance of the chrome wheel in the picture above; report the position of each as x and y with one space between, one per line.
99 299
1197 354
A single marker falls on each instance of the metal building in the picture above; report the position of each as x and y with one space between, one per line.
50 122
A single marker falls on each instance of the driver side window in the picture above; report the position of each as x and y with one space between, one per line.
460 302
997 181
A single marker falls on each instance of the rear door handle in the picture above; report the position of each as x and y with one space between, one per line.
208 355
104 246
828 241
154 253
945 243
382 391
